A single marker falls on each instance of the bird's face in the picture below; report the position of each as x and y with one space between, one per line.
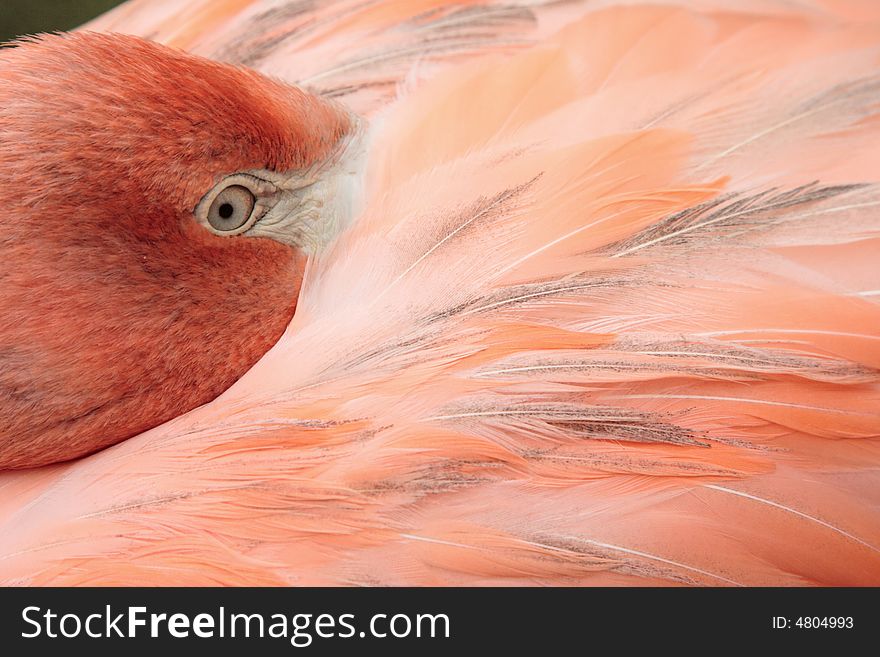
157 211
139 128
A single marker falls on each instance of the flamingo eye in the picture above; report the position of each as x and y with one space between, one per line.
235 204
231 208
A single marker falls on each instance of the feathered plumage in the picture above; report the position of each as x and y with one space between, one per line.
608 315
118 309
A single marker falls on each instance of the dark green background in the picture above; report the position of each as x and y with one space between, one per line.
19 17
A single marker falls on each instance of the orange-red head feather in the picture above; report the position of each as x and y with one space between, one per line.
119 309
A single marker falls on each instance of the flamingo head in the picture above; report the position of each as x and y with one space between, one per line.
157 210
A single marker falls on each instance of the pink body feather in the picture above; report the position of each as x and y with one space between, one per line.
609 315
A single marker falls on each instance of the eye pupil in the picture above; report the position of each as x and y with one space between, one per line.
226 210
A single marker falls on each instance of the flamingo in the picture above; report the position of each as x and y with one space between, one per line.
523 293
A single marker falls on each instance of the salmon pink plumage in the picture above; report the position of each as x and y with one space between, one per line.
595 299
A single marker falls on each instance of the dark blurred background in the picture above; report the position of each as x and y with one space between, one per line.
19 17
